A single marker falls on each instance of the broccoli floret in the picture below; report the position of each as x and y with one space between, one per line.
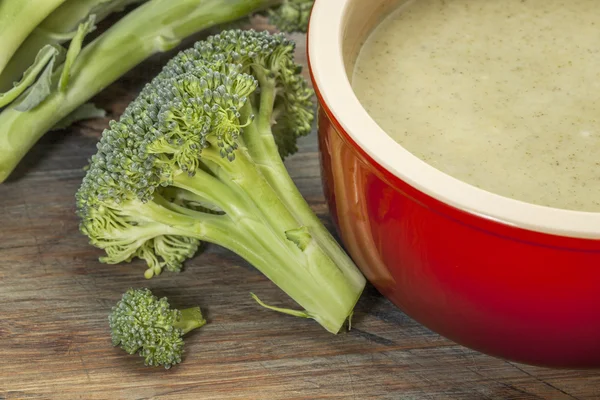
292 15
198 157
141 323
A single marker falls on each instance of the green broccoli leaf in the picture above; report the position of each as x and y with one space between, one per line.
42 59
43 86
74 50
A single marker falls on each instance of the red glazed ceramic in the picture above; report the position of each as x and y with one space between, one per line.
508 278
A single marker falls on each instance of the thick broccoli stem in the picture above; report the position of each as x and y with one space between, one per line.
307 275
264 151
243 173
259 227
18 18
190 319
156 26
246 181
301 268
57 28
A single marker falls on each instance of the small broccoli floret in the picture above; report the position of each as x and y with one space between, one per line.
142 323
198 157
292 15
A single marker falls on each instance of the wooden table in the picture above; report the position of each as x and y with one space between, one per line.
55 297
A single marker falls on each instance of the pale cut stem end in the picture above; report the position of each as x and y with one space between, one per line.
191 318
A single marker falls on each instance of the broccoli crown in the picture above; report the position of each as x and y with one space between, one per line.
196 108
197 99
269 58
165 130
140 322
292 15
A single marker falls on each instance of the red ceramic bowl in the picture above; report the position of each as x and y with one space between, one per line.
504 277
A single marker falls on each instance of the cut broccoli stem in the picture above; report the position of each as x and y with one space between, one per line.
189 319
245 183
243 217
244 173
156 26
293 212
268 92
18 18
257 229
327 264
264 151
307 275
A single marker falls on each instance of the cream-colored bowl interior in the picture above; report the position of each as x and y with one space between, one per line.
338 29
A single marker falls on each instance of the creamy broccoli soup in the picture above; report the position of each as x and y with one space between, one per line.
504 95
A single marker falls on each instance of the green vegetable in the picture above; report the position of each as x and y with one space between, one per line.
57 28
292 15
18 18
141 323
198 157
43 86
43 62
74 50
156 26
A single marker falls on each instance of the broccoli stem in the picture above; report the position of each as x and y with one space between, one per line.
312 279
321 275
264 151
156 26
258 227
218 229
18 18
57 28
243 212
190 319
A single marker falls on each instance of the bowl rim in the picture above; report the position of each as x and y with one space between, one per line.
327 68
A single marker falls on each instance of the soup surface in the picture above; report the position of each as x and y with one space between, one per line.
504 95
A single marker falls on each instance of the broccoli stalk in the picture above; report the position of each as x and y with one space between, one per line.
18 18
270 140
198 157
57 28
141 323
156 26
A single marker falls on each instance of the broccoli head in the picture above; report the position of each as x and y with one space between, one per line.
292 15
198 157
140 322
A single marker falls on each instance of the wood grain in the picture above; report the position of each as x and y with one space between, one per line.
55 297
